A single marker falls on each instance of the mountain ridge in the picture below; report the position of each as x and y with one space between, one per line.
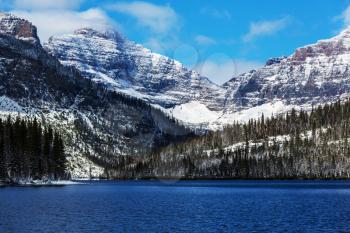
130 68
283 83
313 74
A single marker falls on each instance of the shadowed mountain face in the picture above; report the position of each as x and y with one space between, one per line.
97 124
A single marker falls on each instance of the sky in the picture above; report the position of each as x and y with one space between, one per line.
219 38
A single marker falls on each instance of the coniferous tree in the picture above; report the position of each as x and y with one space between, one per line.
3 165
296 144
27 151
59 156
47 152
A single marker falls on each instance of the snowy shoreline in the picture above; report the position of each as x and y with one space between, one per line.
60 183
27 183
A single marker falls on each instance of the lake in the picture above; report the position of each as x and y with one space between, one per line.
184 206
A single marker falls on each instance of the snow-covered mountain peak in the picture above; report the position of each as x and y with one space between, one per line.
274 60
120 64
314 74
106 34
335 46
114 37
344 34
19 28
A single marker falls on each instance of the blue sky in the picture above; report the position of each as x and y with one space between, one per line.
218 38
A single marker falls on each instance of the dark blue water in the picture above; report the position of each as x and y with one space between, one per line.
186 206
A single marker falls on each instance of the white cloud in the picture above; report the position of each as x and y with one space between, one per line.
46 4
159 19
263 28
155 45
58 22
216 13
243 66
220 71
345 16
204 40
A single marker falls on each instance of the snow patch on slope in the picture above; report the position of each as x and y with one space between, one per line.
198 114
194 112
8 105
268 109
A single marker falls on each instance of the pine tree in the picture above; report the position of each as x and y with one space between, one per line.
27 152
3 165
58 156
47 152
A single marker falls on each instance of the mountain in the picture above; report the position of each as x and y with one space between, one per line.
312 75
18 28
97 125
109 58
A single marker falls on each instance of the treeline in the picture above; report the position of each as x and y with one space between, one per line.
298 144
29 150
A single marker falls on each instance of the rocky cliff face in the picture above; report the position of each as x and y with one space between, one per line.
98 125
19 28
111 59
314 74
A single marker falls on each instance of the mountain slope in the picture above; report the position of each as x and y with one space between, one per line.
295 145
98 125
314 74
109 58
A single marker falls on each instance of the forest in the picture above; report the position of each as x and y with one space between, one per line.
299 144
30 150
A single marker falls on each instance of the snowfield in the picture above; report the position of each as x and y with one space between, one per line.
194 112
